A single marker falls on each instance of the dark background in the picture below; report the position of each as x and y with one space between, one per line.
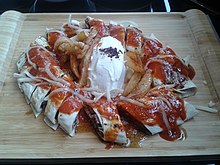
209 7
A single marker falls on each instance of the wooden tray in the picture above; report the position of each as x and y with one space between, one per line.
24 136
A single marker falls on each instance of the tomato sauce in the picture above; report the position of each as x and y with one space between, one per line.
157 111
133 38
53 36
118 32
99 26
41 57
173 134
105 108
69 30
176 102
70 104
58 97
109 146
169 69
159 70
146 53
191 72
177 64
152 48
154 45
169 51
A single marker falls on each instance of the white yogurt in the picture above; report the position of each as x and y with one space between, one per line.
107 68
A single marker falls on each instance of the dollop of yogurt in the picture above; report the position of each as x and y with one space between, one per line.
107 68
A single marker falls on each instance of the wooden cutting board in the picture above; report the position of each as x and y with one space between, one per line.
188 33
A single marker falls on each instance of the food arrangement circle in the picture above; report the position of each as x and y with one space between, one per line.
112 72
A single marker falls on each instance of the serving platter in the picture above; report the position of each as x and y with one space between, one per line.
188 33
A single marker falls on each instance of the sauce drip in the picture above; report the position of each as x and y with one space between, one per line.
162 108
135 136
174 134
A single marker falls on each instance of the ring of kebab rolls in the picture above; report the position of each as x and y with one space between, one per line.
108 70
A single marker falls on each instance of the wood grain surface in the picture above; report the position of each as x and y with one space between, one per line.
188 33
